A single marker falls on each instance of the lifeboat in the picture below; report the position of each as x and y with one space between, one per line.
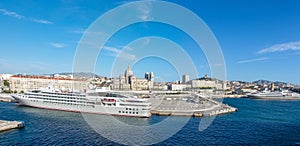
108 100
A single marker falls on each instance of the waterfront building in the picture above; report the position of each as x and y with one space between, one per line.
272 87
248 90
179 87
69 76
5 76
208 82
159 86
25 83
205 83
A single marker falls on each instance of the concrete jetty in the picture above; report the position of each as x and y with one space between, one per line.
192 104
5 98
8 125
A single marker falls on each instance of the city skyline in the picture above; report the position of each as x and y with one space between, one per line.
259 40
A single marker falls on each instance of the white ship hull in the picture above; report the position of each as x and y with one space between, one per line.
84 108
270 97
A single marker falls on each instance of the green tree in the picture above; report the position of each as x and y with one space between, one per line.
6 83
6 91
15 91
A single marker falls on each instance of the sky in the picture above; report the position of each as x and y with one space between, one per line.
258 39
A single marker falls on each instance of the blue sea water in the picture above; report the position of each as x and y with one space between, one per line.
257 122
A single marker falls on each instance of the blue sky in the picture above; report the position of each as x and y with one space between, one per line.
259 39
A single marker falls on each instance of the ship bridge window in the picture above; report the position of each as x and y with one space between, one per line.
111 95
36 91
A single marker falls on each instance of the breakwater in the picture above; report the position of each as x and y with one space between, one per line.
8 125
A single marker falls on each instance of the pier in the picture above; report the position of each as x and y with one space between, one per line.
5 98
195 105
8 125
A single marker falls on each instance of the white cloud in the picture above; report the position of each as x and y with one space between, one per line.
145 9
112 49
78 31
41 21
253 60
21 17
58 45
114 52
84 31
11 14
295 46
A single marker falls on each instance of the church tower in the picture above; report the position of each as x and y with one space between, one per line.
128 73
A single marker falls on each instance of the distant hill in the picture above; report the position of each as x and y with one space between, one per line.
268 82
81 74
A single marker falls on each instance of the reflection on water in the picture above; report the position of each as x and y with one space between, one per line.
135 131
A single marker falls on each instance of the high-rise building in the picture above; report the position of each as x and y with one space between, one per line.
185 79
151 77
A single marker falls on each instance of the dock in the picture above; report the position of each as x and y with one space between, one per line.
5 97
194 105
8 125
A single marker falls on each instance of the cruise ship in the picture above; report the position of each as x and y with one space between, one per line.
277 95
96 102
